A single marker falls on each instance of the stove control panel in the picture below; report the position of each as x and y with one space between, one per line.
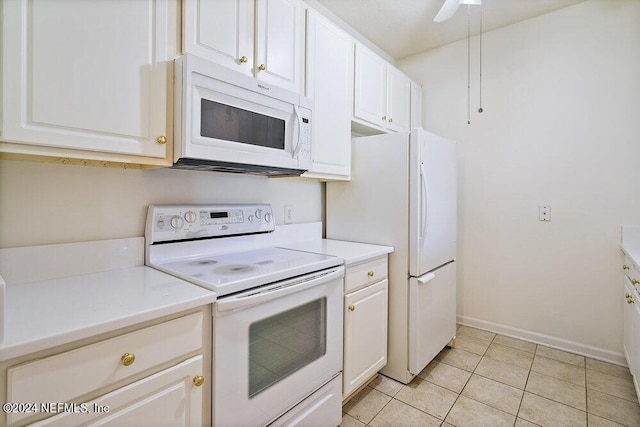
183 222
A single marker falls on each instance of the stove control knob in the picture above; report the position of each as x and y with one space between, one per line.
267 217
259 213
250 218
190 216
160 224
177 222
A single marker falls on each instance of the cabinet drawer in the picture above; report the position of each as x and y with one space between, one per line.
360 275
72 374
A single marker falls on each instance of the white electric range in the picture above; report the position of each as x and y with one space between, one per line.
277 330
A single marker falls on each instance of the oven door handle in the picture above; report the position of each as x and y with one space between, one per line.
269 293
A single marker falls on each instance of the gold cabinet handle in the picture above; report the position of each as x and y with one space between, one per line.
627 295
352 307
625 267
384 118
243 60
390 120
630 301
127 359
161 139
634 281
370 273
262 67
198 380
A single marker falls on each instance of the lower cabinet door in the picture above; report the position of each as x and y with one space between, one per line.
636 343
628 316
168 398
365 335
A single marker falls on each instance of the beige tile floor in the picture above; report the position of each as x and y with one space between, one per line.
492 380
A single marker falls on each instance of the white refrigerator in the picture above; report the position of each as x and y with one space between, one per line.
402 193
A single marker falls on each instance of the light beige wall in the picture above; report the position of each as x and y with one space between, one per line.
560 127
51 203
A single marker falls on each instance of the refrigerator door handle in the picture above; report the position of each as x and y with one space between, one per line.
424 224
426 278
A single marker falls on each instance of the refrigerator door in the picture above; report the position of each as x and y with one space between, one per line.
432 211
432 315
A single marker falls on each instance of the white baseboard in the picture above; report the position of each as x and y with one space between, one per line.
548 340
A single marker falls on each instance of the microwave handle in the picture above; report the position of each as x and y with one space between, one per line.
296 152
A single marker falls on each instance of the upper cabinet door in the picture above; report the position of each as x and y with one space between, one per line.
261 38
221 31
329 82
88 75
279 43
370 92
382 93
399 100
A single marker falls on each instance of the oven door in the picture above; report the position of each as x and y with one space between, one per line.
276 345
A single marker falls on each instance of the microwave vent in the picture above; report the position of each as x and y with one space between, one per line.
216 166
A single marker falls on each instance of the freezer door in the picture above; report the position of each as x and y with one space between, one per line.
432 315
433 202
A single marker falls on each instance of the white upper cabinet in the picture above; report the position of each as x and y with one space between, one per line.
329 82
88 75
221 31
261 38
370 92
382 94
398 100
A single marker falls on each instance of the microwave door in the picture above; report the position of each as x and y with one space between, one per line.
227 128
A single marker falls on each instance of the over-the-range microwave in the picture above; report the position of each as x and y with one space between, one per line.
227 121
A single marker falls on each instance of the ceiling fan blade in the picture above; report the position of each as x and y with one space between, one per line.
447 10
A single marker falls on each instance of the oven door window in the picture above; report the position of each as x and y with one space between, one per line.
282 344
228 123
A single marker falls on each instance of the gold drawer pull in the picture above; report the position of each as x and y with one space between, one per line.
161 139
127 359
627 295
625 267
243 59
370 273
262 67
630 301
352 307
634 281
198 380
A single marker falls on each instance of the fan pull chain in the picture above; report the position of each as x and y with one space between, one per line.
480 110
468 64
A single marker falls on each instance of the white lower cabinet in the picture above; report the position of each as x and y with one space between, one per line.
636 344
365 323
631 337
168 398
157 375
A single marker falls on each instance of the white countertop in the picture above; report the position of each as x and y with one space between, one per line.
631 244
352 252
44 313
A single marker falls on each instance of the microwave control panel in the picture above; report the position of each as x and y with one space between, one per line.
304 150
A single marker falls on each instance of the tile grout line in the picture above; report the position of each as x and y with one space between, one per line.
467 382
524 390
586 391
